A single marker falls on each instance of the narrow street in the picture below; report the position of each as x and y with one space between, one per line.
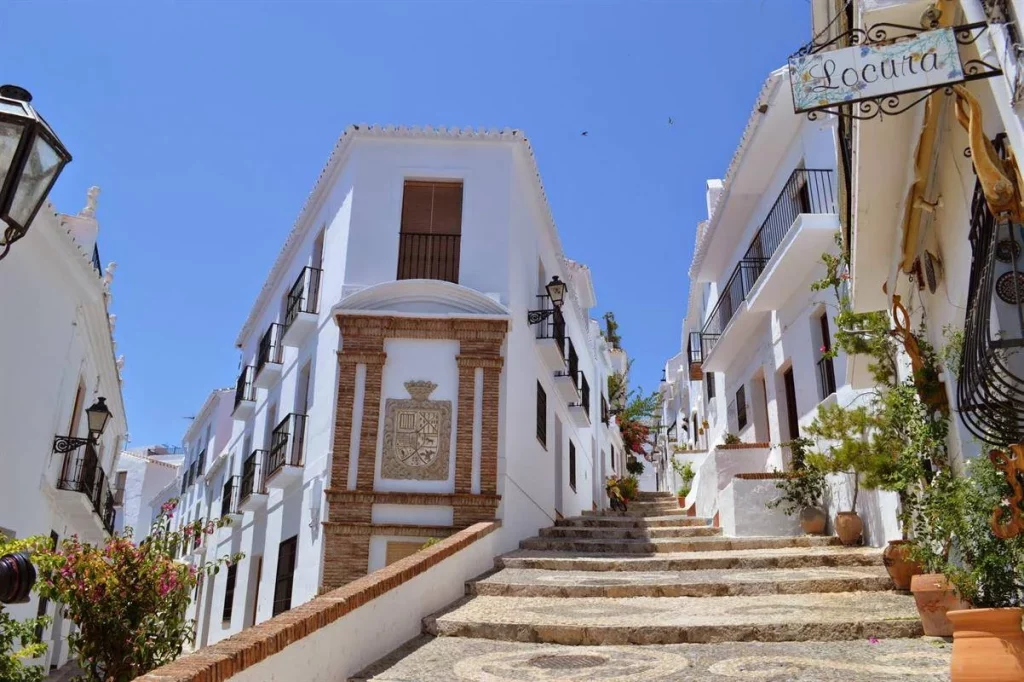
711 607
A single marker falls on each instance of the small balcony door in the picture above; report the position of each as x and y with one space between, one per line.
429 244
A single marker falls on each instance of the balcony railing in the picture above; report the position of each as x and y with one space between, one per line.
585 393
554 326
826 377
244 389
729 300
423 255
286 443
304 296
270 347
229 496
82 473
990 392
694 350
253 482
806 191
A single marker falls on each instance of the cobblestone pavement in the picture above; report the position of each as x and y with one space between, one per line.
656 596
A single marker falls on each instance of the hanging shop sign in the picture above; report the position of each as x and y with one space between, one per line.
877 69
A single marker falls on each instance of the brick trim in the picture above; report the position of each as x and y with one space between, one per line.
744 446
241 651
411 530
349 497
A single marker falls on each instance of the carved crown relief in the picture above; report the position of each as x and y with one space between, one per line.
417 435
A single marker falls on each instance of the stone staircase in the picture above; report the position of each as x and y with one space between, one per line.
654 595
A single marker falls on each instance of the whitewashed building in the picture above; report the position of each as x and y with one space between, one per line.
142 473
391 389
57 358
752 359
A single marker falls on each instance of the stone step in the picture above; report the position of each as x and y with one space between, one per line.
789 557
654 504
708 544
629 533
525 582
659 495
676 521
607 513
446 659
643 620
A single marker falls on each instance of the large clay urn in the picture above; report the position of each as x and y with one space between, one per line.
988 645
896 558
849 528
935 598
812 520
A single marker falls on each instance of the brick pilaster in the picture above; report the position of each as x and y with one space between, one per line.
489 427
371 421
343 421
464 430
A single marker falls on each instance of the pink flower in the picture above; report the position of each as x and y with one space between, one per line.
872 640
823 349
845 276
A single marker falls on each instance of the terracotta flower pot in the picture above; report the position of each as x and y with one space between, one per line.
935 597
682 502
988 645
812 520
897 562
849 528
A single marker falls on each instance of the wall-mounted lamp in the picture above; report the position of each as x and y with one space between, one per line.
98 415
556 293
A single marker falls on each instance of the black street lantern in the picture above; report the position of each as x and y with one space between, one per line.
556 291
31 158
556 294
98 414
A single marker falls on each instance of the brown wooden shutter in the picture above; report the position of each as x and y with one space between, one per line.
429 243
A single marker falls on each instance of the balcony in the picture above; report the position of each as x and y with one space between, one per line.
286 456
245 394
301 307
567 386
229 500
579 412
551 335
197 545
253 490
84 496
799 227
426 255
695 354
269 357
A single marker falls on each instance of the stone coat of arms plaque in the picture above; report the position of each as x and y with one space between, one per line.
417 435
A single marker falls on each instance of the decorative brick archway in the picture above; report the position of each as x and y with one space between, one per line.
348 526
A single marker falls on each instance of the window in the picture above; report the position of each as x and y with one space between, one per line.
572 466
574 365
709 382
542 416
826 368
429 242
613 458
76 410
201 463
122 481
285 575
741 407
229 592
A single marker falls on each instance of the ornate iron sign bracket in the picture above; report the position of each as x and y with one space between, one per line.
858 46
63 444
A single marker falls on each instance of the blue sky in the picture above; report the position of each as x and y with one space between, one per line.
206 124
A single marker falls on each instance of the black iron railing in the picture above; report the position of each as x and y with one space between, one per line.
423 255
286 443
229 496
808 190
990 392
244 388
826 377
82 473
304 296
553 327
252 476
585 394
729 301
270 347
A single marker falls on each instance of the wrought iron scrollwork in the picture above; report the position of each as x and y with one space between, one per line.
538 316
64 444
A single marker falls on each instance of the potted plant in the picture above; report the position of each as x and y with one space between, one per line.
802 493
938 519
987 569
732 439
634 466
846 450
621 490
686 474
